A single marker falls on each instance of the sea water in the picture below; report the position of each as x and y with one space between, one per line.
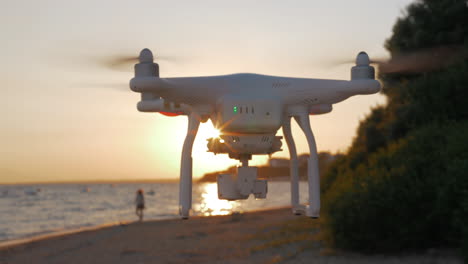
28 210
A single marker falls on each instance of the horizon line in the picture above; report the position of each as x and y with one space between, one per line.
101 181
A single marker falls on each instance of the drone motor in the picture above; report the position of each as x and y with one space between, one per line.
362 70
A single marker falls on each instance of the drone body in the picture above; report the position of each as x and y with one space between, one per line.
248 110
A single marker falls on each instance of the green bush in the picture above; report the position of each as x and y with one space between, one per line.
410 195
403 184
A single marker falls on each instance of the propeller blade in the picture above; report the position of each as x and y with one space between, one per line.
424 60
421 61
126 62
118 87
377 60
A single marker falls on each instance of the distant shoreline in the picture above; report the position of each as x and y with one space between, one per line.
95 182
175 181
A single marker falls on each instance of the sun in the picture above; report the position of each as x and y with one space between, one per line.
204 161
207 131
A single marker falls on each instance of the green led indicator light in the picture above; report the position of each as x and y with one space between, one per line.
234 109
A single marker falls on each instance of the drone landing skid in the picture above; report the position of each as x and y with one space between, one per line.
311 210
185 186
313 179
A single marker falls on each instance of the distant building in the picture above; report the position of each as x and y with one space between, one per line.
277 162
324 159
303 159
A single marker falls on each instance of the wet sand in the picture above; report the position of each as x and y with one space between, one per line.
273 236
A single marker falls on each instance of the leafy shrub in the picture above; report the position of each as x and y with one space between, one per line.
404 182
412 194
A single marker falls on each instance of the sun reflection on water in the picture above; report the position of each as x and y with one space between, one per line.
211 205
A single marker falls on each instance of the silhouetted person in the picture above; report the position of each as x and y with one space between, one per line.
140 204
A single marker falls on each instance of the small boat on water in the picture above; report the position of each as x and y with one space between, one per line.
151 192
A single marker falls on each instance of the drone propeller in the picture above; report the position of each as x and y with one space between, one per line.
126 62
419 61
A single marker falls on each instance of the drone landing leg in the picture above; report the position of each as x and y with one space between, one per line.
313 209
185 186
293 166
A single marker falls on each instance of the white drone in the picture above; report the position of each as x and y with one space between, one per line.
248 110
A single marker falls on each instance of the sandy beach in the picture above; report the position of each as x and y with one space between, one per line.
272 236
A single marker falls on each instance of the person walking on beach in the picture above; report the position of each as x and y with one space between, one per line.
140 204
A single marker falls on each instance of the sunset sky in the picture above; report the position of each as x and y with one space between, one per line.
65 117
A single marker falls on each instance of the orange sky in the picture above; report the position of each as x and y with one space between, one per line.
64 118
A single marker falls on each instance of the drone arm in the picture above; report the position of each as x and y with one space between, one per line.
185 187
160 105
363 86
148 84
294 164
313 210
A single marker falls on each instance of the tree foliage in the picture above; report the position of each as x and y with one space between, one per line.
411 194
404 183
